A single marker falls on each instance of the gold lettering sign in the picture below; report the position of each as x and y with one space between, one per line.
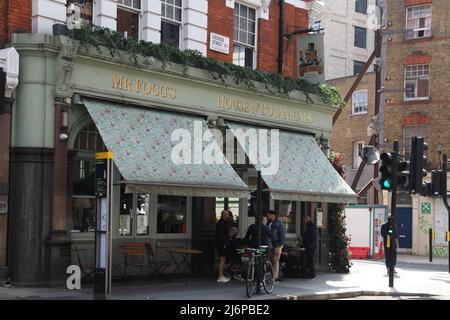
267 110
143 87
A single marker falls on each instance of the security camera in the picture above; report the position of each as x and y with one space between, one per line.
63 136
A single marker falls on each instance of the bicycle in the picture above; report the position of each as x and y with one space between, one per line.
259 270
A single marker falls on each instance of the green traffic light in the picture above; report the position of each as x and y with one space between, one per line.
386 184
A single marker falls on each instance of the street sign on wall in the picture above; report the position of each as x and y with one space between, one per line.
219 43
310 57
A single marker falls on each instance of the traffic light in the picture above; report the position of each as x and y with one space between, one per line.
403 175
437 177
417 162
386 169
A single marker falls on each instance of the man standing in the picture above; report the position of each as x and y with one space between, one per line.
278 238
310 245
222 241
390 242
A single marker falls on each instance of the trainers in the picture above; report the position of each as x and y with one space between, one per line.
223 279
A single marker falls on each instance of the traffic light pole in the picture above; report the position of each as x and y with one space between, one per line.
393 211
445 200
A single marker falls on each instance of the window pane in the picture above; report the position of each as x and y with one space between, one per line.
172 212
251 39
83 214
84 178
243 11
357 67
178 3
251 26
423 88
126 212
360 37
243 24
169 12
251 14
142 214
178 14
243 37
287 214
163 9
361 6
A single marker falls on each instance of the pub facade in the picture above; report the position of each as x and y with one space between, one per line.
74 101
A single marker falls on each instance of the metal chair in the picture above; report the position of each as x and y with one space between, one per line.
156 267
134 253
87 271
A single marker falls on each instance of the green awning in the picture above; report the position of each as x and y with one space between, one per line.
142 142
304 172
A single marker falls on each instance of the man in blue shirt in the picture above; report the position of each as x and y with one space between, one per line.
278 238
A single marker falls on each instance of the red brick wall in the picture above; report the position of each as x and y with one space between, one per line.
220 21
18 18
416 2
268 39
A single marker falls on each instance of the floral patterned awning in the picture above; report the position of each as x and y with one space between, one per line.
304 173
141 140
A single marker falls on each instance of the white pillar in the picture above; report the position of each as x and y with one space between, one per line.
105 14
195 24
151 21
45 13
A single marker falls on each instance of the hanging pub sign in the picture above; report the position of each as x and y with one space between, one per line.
310 57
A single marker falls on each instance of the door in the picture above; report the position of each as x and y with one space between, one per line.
403 220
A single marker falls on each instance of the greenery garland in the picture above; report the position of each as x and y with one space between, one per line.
338 241
94 36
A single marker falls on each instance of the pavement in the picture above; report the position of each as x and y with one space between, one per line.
417 279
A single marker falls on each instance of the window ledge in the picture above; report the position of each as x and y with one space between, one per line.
417 99
358 114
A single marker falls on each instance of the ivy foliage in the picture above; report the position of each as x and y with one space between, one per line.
338 241
97 37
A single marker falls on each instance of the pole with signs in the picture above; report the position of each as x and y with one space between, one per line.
103 233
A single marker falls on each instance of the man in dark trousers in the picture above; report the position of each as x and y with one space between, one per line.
388 228
222 242
310 245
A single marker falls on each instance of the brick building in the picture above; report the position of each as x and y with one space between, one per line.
349 133
56 130
418 61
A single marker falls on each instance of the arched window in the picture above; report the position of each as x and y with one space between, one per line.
89 139
87 143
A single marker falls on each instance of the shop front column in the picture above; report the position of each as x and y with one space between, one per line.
5 144
58 245
203 237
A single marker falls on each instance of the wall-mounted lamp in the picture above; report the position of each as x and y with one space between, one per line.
388 78
388 100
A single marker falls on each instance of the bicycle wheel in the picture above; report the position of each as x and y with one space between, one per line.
250 280
268 280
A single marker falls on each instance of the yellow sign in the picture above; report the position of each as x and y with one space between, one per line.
263 109
448 236
144 87
433 234
104 155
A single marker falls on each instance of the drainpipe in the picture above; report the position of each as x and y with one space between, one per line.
281 39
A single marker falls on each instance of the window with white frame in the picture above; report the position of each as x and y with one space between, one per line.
134 4
244 35
357 147
360 102
172 16
418 18
413 131
128 18
417 81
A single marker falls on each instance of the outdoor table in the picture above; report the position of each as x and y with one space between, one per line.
184 265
